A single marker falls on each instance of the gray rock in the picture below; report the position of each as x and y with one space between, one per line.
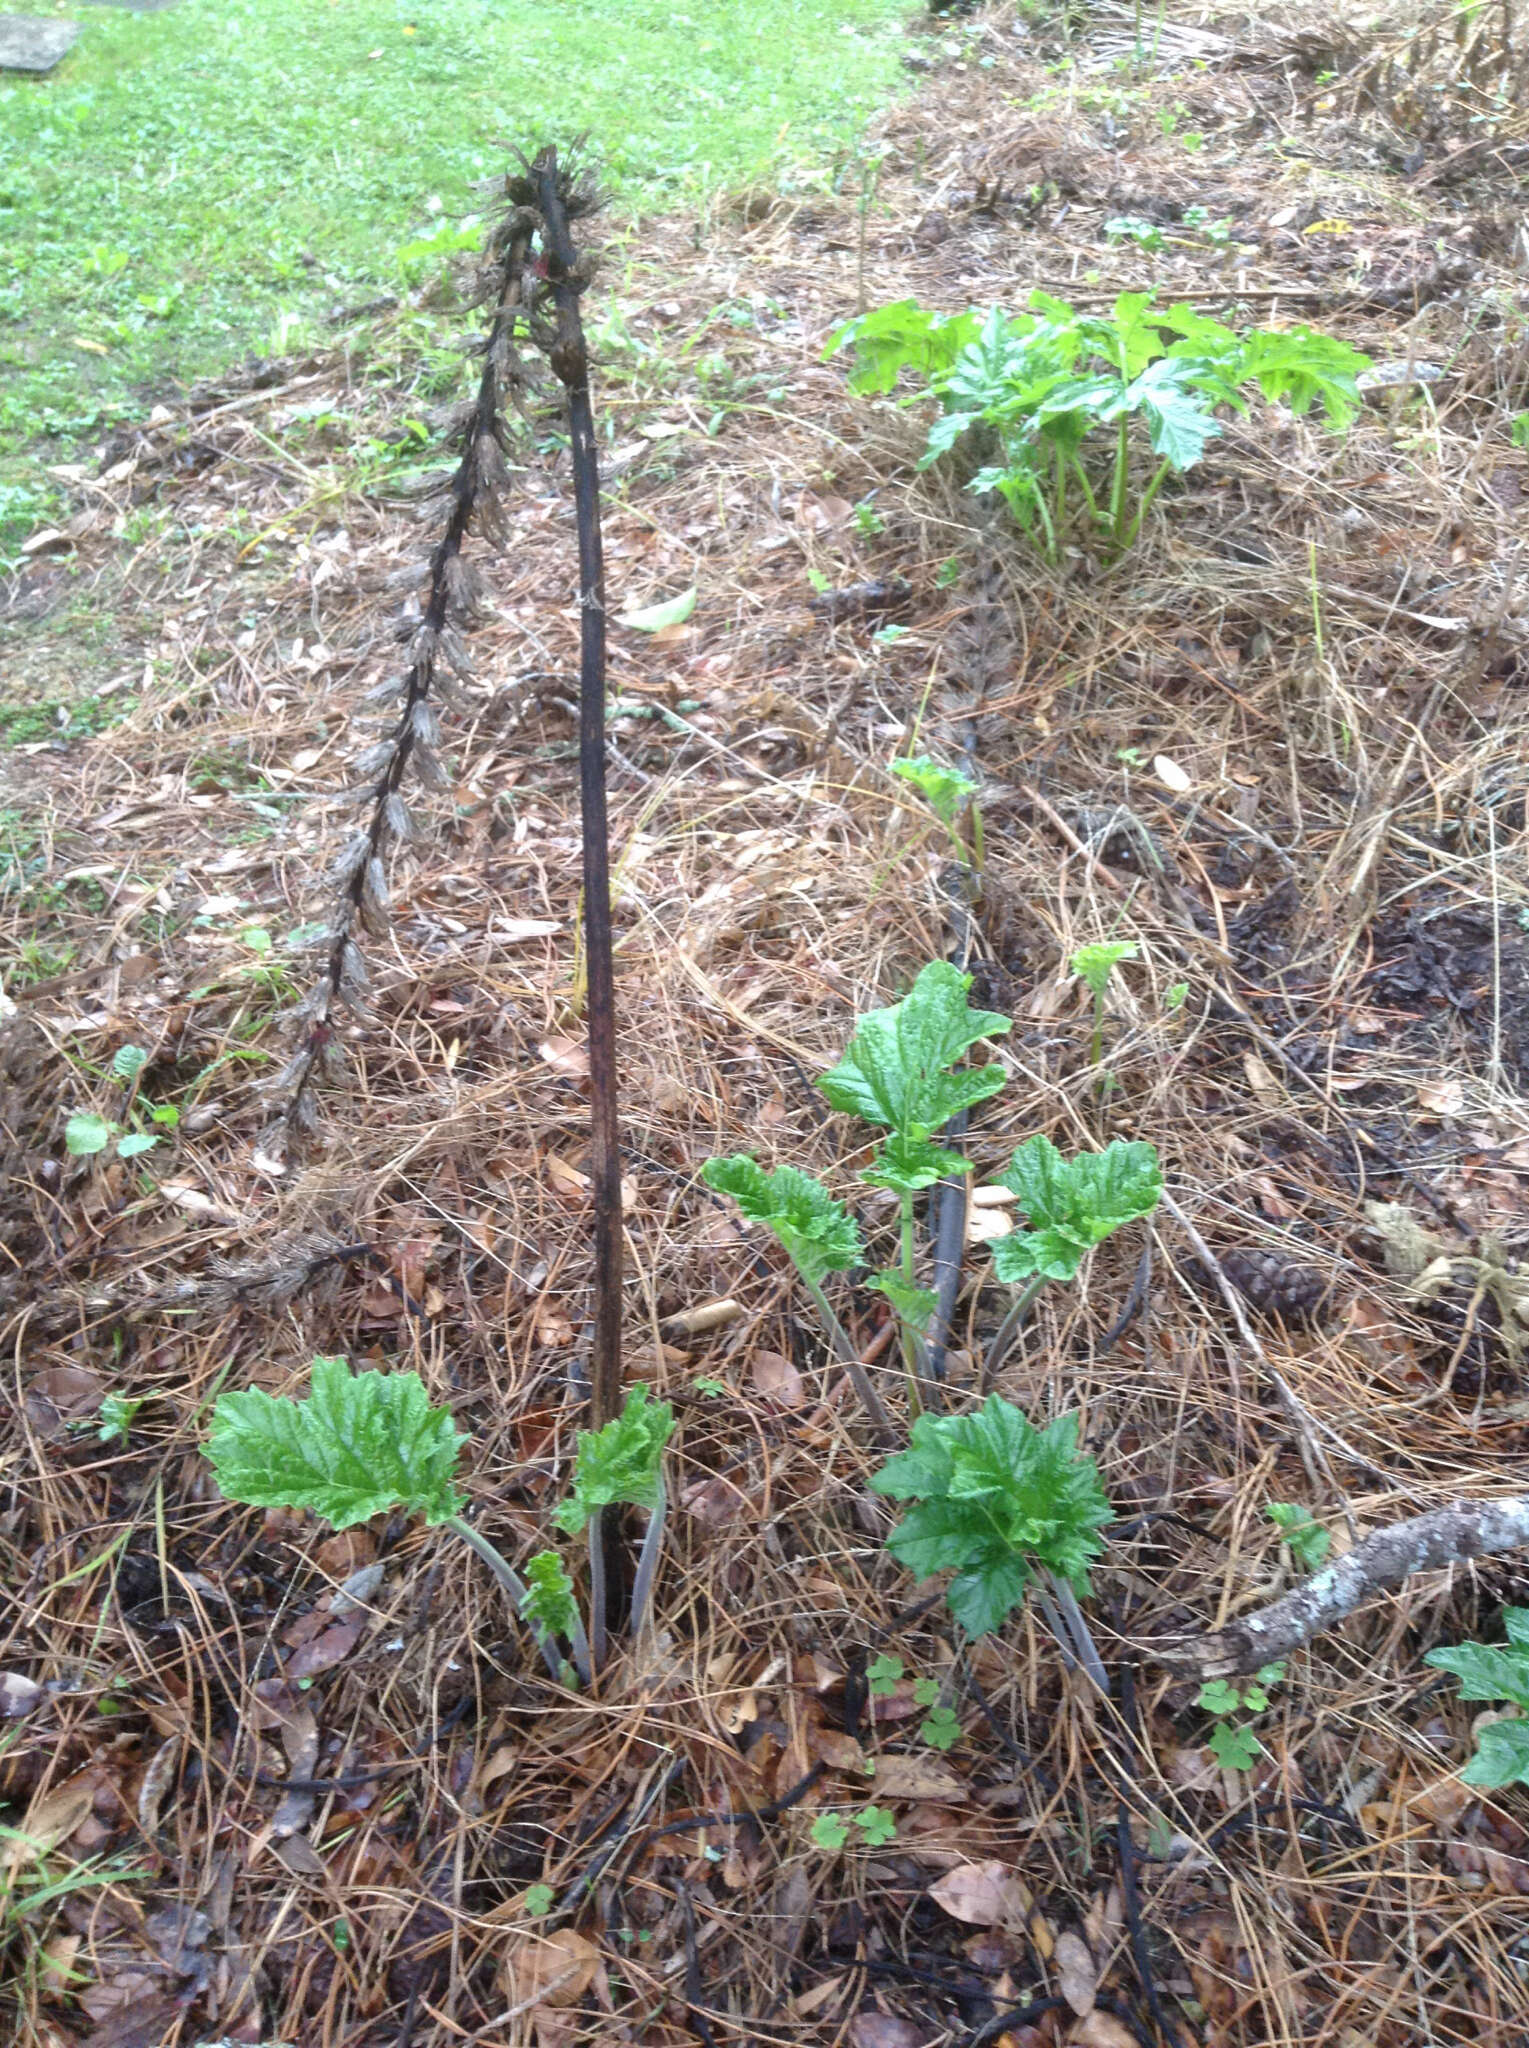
28 43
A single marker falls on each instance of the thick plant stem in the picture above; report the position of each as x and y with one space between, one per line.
512 1583
1079 1631
908 1339
570 362
597 1627
1146 502
1118 489
647 1562
998 1350
849 1358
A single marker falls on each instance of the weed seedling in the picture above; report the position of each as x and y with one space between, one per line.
948 793
1072 1205
1234 1745
1094 965
85 1133
112 1420
621 1465
1485 1673
1308 1541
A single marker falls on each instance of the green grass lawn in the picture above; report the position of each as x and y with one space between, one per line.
191 186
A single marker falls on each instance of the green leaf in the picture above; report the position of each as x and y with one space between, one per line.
1129 227
908 1164
128 1062
904 336
926 1691
1516 1622
982 1599
257 939
1486 1673
621 1463
1173 998
165 1113
941 1728
912 1305
1219 1697
549 1601
882 1674
1179 422
1518 433
86 1133
877 1824
829 1831
1300 366
1235 1749
1095 964
356 1446
947 790
1502 1755
134 1143
1074 1204
818 1232
995 1495
897 1068
674 611
1309 1541
115 1416
538 1900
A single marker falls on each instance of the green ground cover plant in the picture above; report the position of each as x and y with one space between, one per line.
196 184
367 1443
1025 392
1501 1673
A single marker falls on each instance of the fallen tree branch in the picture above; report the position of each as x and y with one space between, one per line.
1425 1543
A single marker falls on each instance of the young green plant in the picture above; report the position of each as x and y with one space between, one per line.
1094 966
948 792
1502 1746
1002 1504
85 1133
1037 385
899 1072
1071 1205
1231 1742
620 1465
363 1444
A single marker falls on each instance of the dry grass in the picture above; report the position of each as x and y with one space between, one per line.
1326 638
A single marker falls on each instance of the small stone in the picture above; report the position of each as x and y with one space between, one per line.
28 43
18 1694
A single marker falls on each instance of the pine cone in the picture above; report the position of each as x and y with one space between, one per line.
1274 1284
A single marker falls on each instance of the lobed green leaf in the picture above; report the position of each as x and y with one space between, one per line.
1073 1204
947 790
818 1232
549 1599
357 1445
621 1464
897 1068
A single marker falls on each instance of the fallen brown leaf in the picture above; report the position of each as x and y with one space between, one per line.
550 1969
982 1894
1077 1978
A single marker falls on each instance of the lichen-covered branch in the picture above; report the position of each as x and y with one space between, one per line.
1425 1543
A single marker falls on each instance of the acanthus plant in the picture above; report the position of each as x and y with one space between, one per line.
1026 391
1006 1501
369 1443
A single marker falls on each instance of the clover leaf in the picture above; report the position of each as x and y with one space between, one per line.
357 1445
882 1674
621 1463
896 1070
1073 1204
818 1233
996 1498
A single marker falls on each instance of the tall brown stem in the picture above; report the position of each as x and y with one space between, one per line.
570 362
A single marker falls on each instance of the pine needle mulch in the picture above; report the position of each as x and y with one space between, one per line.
281 1785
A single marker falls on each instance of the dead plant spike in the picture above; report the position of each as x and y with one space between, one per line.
1445 1536
436 654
